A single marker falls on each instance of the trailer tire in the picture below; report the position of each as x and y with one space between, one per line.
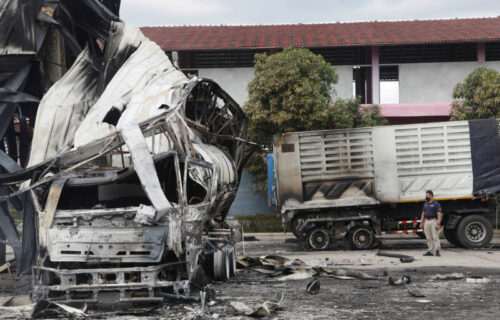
451 237
474 231
318 239
360 238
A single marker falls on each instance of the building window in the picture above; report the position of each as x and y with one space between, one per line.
362 88
389 84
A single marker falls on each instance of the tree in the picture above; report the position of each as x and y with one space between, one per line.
292 91
478 97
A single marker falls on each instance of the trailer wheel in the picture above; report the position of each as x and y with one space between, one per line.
318 239
474 231
221 265
451 237
360 238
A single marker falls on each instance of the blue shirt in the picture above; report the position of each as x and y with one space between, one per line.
431 209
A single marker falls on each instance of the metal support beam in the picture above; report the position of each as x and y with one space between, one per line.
375 76
3 250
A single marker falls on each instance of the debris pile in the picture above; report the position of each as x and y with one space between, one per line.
286 269
402 257
263 310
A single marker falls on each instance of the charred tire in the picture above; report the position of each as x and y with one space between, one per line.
209 264
231 254
360 238
474 231
293 227
451 236
221 266
318 239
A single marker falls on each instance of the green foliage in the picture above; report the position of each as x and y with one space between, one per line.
262 222
348 113
257 166
292 91
478 97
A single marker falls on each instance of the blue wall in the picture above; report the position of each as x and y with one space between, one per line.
246 202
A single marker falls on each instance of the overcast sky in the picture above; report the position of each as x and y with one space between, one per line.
216 12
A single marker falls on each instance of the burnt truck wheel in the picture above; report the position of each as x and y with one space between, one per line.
474 231
221 266
293 226
360 238
451 236
318 239
231 255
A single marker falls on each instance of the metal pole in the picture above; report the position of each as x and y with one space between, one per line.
496 214
3 251
243 240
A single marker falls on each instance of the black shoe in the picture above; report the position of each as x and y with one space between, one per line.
428 254
438 254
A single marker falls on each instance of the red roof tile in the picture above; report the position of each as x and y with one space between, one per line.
324 35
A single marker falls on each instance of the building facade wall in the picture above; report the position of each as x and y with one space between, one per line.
434 82
235 81
343 88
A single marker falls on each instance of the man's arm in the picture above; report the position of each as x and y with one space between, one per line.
422 220
439 219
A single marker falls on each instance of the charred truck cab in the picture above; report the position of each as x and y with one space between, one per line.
132 172
355 184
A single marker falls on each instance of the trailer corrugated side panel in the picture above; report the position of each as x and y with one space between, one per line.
367 165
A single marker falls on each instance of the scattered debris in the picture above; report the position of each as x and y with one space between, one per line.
242 308
203 296
448 276
297 269
401 281
313 287
477 279
299 275
4 267
414 290
17 312
423 300
263 310
341 277
402 257
47 309
4 301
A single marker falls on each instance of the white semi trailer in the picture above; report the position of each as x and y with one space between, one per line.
354 184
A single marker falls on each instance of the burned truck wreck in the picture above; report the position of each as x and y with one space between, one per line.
132 170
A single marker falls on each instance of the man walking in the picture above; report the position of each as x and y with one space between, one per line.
431 222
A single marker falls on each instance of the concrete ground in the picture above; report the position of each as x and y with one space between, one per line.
451 256
356 298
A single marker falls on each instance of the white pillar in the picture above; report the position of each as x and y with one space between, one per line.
375 76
